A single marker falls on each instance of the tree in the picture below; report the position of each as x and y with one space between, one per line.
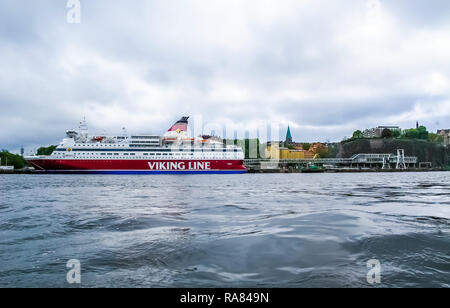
322 152
411 133
396 133
386 133
423 133
416 133
13 160
358 134
251 147
306 146
45 151
435 138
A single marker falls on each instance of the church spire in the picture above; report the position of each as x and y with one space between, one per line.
288 135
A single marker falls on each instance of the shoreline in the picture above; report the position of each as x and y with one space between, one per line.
271 171
348 170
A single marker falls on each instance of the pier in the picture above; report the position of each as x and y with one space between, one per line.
358 162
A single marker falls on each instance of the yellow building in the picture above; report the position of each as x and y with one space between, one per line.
275 152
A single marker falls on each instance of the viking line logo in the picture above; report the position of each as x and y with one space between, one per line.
179 165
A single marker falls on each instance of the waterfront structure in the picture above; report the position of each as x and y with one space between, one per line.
377 132
174 152
401 164
446 134
397 161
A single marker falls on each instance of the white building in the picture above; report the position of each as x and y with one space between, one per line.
378 131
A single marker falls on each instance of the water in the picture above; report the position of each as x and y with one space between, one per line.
255 230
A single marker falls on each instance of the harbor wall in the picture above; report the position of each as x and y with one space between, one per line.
437 154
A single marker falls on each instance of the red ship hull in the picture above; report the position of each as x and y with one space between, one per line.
138 166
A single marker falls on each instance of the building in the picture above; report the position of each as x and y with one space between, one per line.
446 134
377 132
293 150
274 151
288 136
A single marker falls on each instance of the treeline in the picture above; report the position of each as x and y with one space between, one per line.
17 161
251 147
45 151
12 160
420 133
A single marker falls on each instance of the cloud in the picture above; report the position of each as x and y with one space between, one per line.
326 68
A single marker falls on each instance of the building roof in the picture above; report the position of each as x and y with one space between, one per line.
288 134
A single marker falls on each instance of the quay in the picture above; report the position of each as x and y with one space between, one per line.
356 163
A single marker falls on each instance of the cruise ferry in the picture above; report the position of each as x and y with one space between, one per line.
174 152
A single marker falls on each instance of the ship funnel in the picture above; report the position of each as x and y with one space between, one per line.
180 125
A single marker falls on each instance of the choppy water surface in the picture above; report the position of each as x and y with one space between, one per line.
255 230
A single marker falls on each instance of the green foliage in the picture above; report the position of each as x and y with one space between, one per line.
327 152
12 160
249 146
254 146
386 133
435 138
290 146
416 133
357 134
396 133
45 151
306 146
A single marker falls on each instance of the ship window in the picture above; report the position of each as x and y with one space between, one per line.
145 154
103 154
116 153
132 154
125 154
110 154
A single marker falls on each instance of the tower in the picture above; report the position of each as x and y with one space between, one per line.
288 136
401 159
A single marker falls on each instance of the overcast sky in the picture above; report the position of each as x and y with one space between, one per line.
326 68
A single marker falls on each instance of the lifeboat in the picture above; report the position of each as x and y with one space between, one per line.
98 139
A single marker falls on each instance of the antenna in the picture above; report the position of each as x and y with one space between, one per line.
84 128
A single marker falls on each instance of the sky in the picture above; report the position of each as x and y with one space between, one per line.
326 68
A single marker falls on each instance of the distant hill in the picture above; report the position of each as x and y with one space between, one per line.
426 151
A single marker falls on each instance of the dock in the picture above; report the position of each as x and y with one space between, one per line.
358 163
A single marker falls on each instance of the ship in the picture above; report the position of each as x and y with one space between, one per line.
175 152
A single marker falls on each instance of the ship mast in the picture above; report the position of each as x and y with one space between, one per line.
83 129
